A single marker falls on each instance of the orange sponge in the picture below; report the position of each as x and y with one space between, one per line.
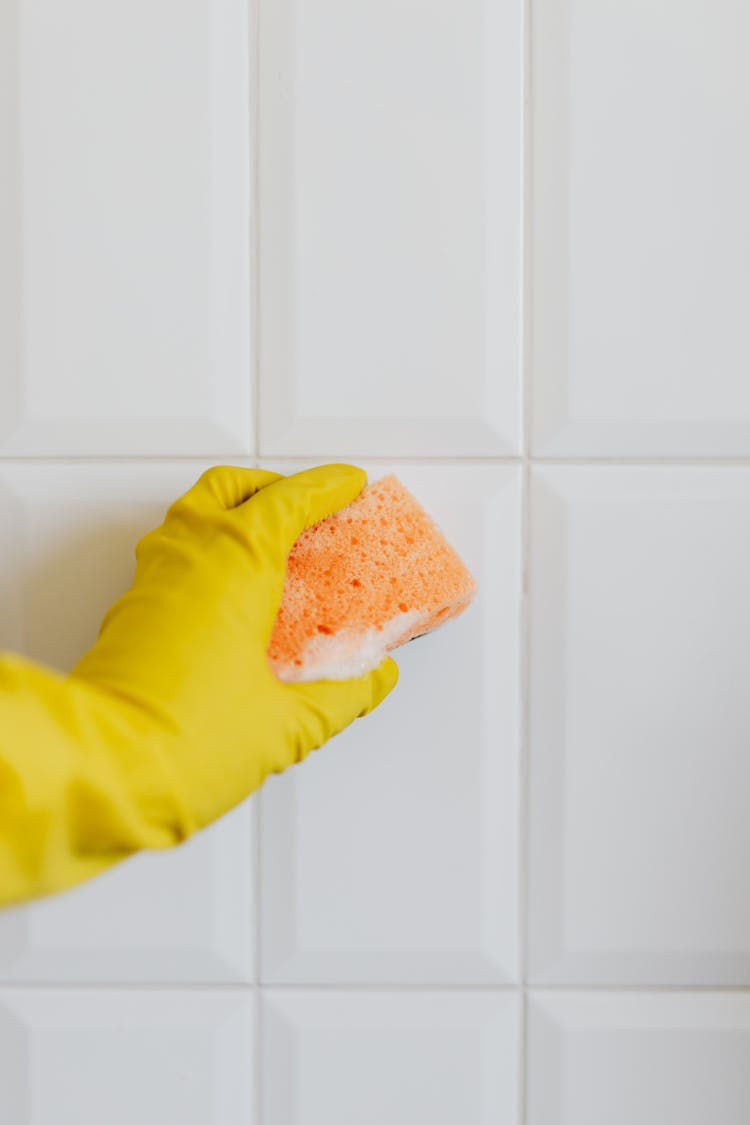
362 582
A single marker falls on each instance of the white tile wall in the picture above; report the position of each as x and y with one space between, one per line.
69 534
390 1056
393 856
183 916
640 841
645 1058
640 231
387 326
124 288
484 239
146 1057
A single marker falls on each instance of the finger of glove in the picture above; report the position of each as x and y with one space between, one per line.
277 515
224 487
323 708
292 504
217 491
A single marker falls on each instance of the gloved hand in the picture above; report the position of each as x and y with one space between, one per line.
173 717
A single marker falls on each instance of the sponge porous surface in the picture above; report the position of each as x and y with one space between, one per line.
362 582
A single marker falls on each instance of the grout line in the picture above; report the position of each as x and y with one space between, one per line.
225 458
255 236
525 546
390 986
250 989
592 988
258 877
524 749
523 1059
255 395
58 985
525 532
653 462
258 1058
256 930
445 461
238 457
258 1040
525 266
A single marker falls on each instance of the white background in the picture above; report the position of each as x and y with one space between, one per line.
505 252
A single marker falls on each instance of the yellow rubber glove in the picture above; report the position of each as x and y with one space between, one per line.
173 717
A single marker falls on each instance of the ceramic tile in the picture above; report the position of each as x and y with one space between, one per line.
401 1058
648 1058
390 227
639 228
124 277
185 915
391 855
639 838
82 1058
